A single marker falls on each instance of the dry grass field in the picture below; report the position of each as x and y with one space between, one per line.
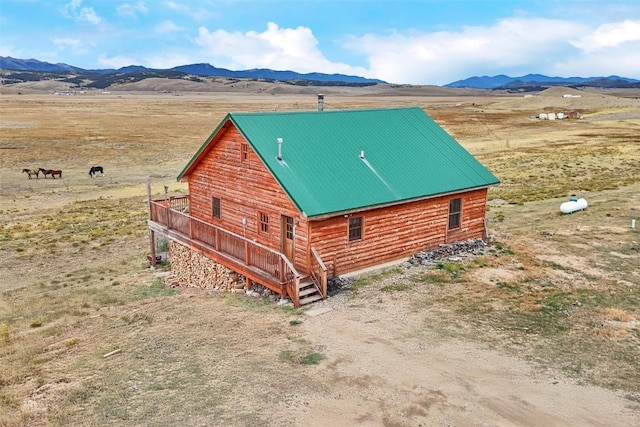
542 329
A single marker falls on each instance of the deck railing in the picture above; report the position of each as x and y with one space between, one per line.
253 254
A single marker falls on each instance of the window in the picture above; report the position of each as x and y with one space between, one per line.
244 152
215 207
355 228
289 228
455 206
264 222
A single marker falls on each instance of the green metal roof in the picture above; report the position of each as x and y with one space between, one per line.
406 156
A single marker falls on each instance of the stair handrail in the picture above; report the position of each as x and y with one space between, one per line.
320 274
291 279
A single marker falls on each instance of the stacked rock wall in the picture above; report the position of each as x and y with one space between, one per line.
191 269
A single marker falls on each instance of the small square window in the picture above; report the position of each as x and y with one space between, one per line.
244 151
355 228
455 207
215 207
264 222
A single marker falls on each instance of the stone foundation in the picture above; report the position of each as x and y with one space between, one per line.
191 269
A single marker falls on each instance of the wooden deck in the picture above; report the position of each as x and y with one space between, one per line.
256 262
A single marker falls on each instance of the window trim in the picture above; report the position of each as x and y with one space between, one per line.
355 229
216 207
455 216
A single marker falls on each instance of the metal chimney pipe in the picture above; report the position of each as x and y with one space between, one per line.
279 148
320 102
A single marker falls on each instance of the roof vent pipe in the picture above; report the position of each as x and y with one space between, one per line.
279 148
320 102
362 154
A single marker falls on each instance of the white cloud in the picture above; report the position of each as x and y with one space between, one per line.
75 10
514 46
530 45
132 9
73 5
117 61
276 48
621 61
168 60
162 61
610 35
166 26
67 43
6 50
197 14
178 7
87 14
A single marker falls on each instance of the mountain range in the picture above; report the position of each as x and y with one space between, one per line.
198 70
539 80
21 70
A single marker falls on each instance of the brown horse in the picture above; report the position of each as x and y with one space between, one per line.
31 172
52 172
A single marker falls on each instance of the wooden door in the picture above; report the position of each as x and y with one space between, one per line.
287 230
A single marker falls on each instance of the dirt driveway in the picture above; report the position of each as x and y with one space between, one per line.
381 372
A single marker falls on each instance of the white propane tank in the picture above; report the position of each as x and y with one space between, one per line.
573 205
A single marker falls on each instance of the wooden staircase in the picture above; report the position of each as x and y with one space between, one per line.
309 291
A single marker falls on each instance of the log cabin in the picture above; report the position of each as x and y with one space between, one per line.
289 199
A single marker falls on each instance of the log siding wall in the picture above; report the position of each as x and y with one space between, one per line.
245 188
396 232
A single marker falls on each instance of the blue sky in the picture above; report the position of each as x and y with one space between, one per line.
430 42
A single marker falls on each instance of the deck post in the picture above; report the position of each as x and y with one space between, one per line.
324 283
149 195
152 234
296 296
152 239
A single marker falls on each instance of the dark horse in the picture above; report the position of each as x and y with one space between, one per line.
52 172
96 169
31 172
